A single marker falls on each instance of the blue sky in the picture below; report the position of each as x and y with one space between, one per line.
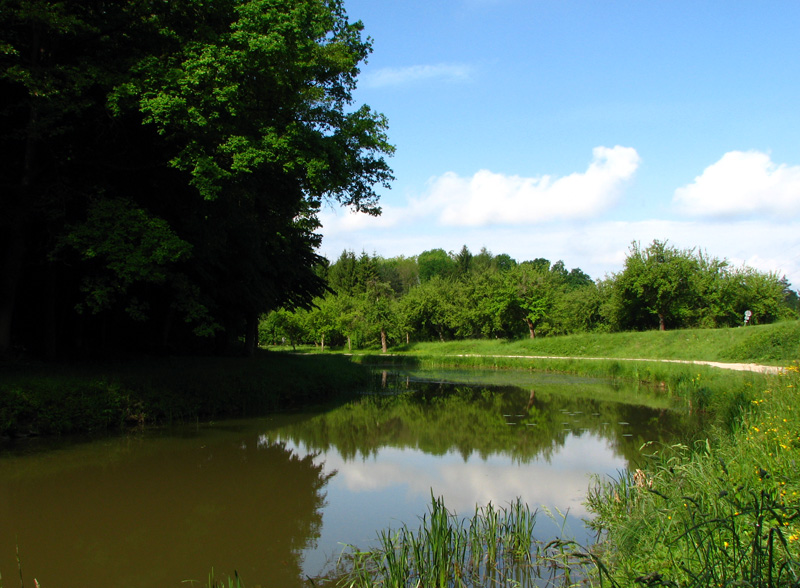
567 129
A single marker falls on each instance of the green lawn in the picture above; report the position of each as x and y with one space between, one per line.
775 344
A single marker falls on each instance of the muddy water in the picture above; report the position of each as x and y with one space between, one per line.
276 498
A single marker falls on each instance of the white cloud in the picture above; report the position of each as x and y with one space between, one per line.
742 184
489 198
498 212
397 76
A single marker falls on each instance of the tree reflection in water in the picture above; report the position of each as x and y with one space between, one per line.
138 512
525 424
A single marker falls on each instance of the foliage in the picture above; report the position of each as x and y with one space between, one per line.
435 262
165 166
656 282
457 296
683 288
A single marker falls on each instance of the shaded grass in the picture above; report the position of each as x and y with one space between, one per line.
46 399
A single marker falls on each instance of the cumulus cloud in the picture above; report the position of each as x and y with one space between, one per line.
742 184
489 198
398 76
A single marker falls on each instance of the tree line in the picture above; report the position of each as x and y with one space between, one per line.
163 164
374 301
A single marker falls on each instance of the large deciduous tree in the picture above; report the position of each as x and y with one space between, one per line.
163 164
656 282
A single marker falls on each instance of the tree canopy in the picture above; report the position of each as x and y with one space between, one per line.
444 296
163 165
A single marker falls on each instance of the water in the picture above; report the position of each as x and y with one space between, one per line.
277 498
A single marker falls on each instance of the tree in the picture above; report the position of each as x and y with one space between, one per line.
342 274
536 290
323 320
463 261
378 310
280 325
434 262
762 293
219 127
428 309
655 281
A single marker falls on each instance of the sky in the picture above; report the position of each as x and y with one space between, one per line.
569 129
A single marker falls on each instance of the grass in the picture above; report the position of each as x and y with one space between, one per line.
774 344
53 399
724 513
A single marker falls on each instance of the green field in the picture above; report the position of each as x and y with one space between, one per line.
774 344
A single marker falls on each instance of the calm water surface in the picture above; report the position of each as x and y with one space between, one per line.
277 498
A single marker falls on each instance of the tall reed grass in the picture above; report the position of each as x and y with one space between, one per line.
493 547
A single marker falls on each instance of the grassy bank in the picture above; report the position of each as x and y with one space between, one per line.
51 398
774 344
724 513
632 357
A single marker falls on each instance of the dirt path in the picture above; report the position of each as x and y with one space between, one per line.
742 367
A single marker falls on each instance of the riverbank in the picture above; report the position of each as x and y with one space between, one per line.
63 398
776 344
60 398
726 512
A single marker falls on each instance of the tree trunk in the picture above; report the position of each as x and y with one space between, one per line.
532 331
384 347
9 283
661 324
322 344
49 332
251 334
166 327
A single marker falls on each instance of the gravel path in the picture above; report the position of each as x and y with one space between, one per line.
742 367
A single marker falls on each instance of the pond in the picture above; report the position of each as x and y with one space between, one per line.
277 498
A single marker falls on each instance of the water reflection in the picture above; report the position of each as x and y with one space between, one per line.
136 517
277 498
439 418
473 445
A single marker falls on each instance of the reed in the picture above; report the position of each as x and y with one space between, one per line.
495 546
213 582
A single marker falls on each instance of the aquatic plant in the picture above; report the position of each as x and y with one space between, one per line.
495 546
